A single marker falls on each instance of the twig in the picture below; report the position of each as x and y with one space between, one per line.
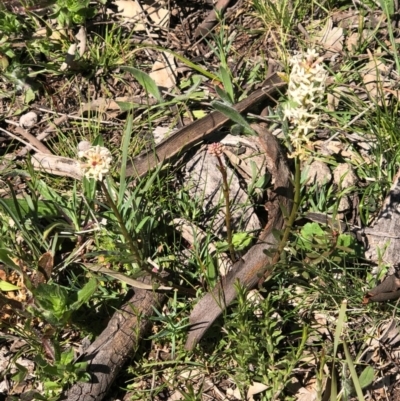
19 139
33 140
350 123
45 133
63 115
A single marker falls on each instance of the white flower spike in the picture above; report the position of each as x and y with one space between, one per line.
97 163
305 91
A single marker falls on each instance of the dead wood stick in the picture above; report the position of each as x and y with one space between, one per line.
115 344
49 129
211 20
256 262
33 140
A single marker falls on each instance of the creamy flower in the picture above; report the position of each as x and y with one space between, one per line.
306 89
97 163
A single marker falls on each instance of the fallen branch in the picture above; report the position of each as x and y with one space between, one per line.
247 270
115 344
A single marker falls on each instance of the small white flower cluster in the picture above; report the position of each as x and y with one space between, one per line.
98 162
305 92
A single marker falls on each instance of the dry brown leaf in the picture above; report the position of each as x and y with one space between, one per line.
333 101
195 235
55 35
100 105
305 394
374 75
355 39
331 38
81 37
352 42
163 71
335 95
133 12
346 19
254 389
69 58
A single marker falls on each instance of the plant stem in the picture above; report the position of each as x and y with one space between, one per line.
132 247
289 222
225 189
293 213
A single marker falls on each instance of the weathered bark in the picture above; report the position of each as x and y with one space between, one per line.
256 261
115 344
384 238
385 233
211 20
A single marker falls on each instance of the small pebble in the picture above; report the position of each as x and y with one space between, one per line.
344 176
28 120
318 173
344 204
84 146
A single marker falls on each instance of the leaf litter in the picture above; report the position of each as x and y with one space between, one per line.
378 85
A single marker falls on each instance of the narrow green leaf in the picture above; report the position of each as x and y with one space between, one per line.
186 61
339 326
353 373
334 389
146 81
227 82
123 277
57 224
126 140
43 208
142 223
6 286
6 259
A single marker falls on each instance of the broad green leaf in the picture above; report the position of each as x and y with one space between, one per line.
146 81
67 357
50 385
53 302
43 208
19 377
233 114
29 96
223 95
387 6
85 294
366 377
241 240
